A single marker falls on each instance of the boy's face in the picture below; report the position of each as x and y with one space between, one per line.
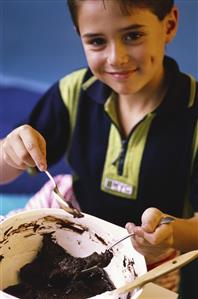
125 52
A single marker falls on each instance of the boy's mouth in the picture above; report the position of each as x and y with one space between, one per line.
121 74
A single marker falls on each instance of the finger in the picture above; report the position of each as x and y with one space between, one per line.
138 232
21 153
141 245
13 151
36 146
42 144
150 219
13 161
130 227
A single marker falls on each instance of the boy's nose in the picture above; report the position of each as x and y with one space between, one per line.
117 55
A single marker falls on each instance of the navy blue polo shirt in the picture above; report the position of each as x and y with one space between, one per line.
117 178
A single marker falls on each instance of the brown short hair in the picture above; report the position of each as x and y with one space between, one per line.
158 7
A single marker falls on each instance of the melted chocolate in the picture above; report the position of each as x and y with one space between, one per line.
54 273
40 225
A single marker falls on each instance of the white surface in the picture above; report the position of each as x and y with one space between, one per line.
6 296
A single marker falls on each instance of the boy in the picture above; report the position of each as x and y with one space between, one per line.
128 123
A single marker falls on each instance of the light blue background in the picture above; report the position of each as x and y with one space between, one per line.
38 44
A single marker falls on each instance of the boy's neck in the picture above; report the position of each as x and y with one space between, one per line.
131 109
148 98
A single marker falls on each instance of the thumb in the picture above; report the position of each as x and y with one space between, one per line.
150 219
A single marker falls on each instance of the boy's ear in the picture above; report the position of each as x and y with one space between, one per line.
171 24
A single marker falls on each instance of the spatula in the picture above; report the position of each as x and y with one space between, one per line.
165 268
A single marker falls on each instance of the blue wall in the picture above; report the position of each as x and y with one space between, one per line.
38 44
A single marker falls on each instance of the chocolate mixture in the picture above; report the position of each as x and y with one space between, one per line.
54 273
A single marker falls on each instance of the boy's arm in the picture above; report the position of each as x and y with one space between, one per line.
185 233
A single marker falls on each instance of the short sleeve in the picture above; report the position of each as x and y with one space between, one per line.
50 117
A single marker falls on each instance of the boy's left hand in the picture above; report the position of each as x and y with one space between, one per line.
151 240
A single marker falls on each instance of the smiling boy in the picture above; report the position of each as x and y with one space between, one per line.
127 123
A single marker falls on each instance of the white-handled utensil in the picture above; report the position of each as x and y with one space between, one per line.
165 268
60 198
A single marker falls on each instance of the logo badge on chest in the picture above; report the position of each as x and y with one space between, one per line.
117 186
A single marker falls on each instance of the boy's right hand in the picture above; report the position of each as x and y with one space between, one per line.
25 147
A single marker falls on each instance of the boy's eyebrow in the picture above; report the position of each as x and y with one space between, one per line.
91 35
131 27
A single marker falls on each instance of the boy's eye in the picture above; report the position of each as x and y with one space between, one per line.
97 41
133 36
